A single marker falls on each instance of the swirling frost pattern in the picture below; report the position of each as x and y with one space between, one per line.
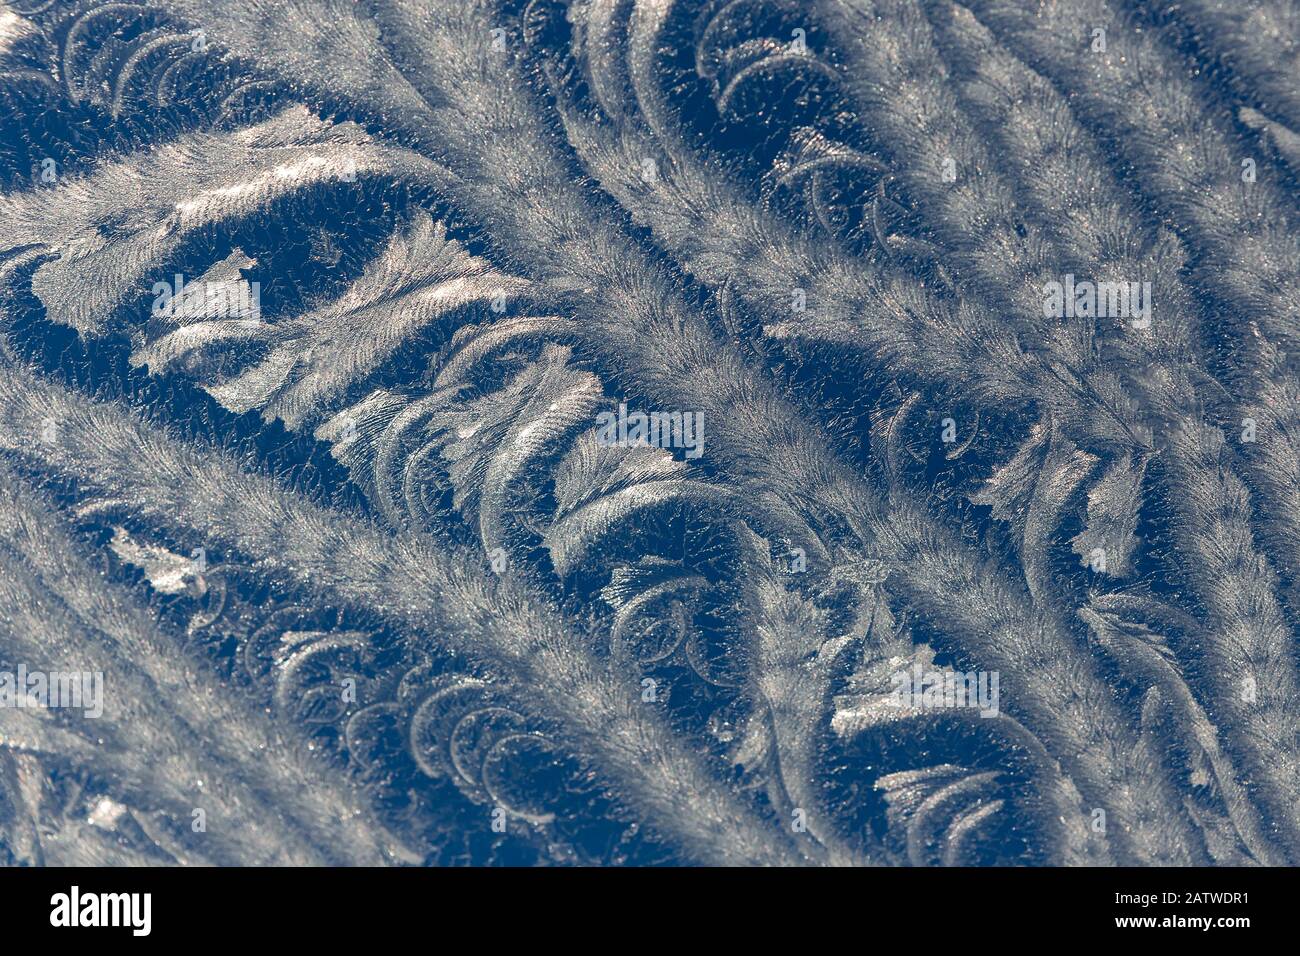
371 578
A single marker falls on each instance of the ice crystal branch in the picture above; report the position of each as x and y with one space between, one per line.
206 492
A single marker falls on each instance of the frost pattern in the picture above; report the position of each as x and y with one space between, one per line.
473 432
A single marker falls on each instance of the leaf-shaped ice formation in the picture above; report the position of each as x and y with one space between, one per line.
303 364
114 229
1113 504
